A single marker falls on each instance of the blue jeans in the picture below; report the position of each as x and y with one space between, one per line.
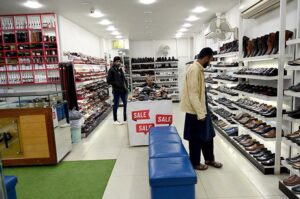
117 96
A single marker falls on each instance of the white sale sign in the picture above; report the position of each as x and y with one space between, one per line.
143 115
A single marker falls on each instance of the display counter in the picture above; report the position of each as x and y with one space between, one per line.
33 129
143 115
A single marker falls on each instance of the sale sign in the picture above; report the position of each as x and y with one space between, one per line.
144 128
164 119
140 115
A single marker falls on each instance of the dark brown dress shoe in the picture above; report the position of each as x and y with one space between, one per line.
292 181
270 134
270 43
255 147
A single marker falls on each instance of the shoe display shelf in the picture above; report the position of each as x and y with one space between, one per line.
258 96
225 107
225 81
257 77
170 67
294 68
293 42
223 94
290 143
258 116
29 49
264 58
86 90
287 118
248 131
221 118
267 170
230 54
288 191
292 93
221 68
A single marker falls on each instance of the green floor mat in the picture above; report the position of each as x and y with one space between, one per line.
67 180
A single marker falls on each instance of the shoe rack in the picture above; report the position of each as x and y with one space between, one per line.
292 119
262 80
84 80
165 72
29 49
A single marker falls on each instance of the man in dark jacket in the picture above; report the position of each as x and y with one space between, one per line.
118 81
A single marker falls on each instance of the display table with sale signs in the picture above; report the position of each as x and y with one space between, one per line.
142 115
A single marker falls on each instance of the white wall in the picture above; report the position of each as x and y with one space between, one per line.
76 39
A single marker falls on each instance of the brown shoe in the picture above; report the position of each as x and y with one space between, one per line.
271 40
270 134
255 147
296 165
292 181
201 167
250 48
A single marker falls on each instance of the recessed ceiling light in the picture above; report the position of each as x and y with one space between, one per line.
242 7
148 13
199 9
178 35
119 37
182 30
147 2
192 18
187 25
115 33
33 4
96 14
105 22
111 28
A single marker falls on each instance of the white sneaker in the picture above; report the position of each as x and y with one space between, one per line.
117 123
125 122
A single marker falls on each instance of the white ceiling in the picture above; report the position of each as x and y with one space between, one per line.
128 15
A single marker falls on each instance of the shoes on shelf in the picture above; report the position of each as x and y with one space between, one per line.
293 180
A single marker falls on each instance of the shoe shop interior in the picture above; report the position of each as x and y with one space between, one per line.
150 99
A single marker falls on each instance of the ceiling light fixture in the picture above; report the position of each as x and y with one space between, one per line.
183 30
242 7
192 18
115 33
119 37
178 35
33 4
199 9
96 14
147 2
187 25
111 28
105 22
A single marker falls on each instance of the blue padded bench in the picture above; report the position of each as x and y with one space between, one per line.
10 184
166 150
172 178
164 137
163 130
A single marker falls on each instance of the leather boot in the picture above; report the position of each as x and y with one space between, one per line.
249 48
255 47
276 43
264 44
245 44
270 42
259 46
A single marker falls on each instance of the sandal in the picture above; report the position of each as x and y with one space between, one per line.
201 167
215 164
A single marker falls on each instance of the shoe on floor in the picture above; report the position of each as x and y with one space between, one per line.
117 123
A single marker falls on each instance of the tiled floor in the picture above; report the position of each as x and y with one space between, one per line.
237 179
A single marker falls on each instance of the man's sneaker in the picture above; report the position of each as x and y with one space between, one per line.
117 123
125 122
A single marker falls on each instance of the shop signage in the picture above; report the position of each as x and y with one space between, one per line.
144 128
140 115
164 119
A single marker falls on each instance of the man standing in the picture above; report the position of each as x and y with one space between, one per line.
119 84
198 128
150 83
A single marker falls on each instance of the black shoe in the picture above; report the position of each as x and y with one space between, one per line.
266 157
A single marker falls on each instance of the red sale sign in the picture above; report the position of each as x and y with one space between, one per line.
144 128
164 119
140 115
